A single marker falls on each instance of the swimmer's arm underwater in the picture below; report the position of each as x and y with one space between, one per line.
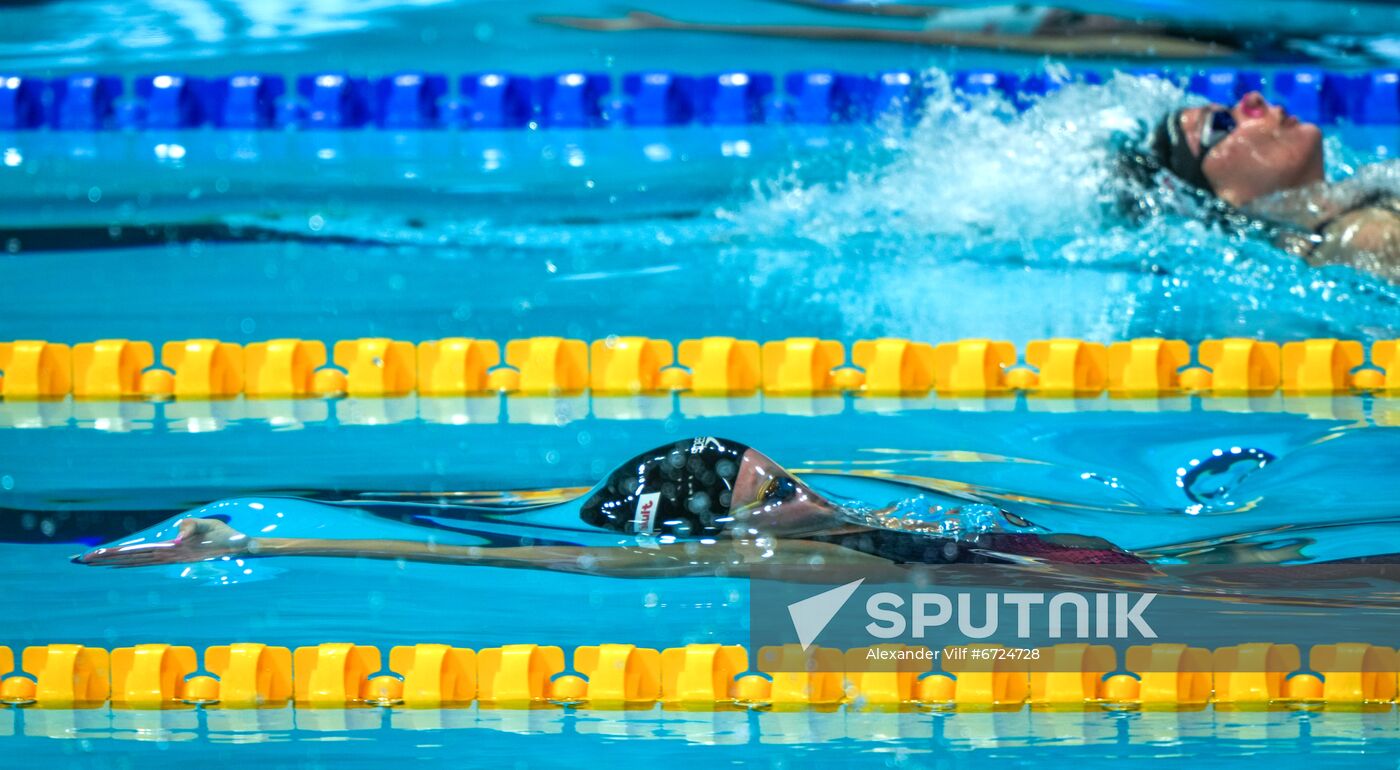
889 10
1089 44
205 539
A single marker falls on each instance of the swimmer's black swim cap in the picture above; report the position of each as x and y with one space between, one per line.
1138 166
682 489
1173 152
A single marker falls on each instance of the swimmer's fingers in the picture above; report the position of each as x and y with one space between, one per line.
138 555
198 539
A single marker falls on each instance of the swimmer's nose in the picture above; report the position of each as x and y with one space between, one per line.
1252 105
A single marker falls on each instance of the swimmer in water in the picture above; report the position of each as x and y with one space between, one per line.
1253 163
695 507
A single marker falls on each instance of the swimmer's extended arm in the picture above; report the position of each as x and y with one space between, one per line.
889 10
732 558
1092 44
204 539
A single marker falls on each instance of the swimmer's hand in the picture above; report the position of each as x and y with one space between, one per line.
199 539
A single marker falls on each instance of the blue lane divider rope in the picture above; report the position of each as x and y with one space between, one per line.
419 100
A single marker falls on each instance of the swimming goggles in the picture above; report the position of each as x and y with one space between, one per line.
778 489
1215 126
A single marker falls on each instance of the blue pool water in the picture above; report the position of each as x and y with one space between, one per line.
980 223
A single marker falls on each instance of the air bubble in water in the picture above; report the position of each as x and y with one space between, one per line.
1210 481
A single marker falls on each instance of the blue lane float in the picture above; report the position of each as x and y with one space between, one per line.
410 100
1303 92
735 98
421 100
571 100
171 101
21 103
496 100
84 102
1377 98
658 99
826 97
333 101
249 101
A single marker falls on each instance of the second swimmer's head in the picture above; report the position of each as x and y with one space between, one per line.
1238 152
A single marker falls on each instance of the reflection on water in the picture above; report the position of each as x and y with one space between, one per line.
73 33
1144 733
76 33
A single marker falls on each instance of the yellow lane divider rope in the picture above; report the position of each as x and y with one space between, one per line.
696 676
209 368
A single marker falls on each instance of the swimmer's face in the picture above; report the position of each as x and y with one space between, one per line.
1268 150
770 501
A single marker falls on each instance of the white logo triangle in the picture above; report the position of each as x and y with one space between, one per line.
811 615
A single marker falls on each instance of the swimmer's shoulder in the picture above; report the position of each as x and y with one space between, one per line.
1369 229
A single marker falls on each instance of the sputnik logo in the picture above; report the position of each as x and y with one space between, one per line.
811 615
